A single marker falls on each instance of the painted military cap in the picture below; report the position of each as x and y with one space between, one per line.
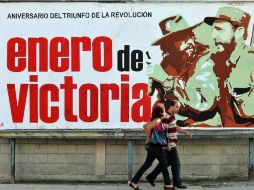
233 15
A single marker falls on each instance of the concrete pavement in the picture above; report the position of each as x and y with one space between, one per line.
145 186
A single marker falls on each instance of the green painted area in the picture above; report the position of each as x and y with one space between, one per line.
209 68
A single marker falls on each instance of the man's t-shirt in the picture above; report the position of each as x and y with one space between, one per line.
170 124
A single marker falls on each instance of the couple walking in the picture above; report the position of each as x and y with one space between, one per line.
161 141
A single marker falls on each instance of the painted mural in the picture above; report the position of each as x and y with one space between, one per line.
208 67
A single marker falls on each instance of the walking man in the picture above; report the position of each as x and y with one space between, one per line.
172 107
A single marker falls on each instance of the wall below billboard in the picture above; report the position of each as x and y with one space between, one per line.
107 160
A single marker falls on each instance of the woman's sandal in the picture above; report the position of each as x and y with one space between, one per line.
136 188
170 188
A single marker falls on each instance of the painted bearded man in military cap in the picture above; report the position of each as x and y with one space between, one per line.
234 66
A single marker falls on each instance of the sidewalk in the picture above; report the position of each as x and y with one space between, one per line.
144 186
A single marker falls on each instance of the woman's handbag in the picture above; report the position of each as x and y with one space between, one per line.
158 137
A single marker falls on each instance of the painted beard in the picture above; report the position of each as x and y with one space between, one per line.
224 50
221 69
178 60
188 54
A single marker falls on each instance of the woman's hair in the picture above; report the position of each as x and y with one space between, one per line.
158 110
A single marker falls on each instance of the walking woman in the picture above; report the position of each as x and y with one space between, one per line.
172 108
154 150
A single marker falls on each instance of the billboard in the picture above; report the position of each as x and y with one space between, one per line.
103 66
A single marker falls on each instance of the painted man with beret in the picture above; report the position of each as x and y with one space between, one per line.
185 73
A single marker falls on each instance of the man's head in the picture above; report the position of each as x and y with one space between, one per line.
226 35
172 106
179 49
230 27
177 43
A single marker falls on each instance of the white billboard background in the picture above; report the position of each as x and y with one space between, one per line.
139 33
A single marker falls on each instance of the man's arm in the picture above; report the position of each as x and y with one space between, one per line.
193 114
180 130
